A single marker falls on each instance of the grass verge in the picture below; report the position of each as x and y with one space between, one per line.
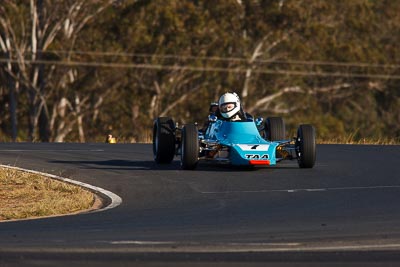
25 195
362 141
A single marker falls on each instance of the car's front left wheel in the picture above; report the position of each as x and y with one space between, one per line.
306 146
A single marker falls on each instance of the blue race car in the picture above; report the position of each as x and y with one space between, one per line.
240 143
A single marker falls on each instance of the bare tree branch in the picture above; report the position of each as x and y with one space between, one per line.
268 99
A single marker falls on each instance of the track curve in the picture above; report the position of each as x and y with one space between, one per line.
349 202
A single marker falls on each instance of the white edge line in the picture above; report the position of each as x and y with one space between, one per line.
299 190
254 247
115 200
133 242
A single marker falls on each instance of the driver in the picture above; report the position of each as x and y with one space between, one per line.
230 108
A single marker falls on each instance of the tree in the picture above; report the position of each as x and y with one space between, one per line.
309 61
27 37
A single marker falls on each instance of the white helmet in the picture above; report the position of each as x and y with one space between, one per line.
229 98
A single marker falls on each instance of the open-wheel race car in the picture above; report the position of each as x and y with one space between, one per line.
240 143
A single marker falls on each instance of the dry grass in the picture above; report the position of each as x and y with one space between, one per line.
363 141
26 195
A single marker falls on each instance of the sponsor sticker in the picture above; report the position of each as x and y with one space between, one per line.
256 156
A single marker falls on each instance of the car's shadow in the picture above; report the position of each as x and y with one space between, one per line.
132 165
117 164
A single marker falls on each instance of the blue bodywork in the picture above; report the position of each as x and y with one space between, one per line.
245 144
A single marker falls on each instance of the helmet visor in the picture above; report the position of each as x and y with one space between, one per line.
226 107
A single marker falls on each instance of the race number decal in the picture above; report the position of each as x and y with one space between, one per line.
255 147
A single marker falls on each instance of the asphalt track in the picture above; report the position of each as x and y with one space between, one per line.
343 212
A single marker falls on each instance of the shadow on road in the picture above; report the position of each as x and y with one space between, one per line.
132 165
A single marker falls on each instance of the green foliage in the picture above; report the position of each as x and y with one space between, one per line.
173 58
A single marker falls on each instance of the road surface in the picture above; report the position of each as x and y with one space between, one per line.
344 210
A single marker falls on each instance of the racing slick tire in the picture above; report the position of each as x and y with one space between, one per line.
163 140
189 147
275 129
305 146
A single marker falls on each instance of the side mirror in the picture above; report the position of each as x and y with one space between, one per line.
259 121
212 118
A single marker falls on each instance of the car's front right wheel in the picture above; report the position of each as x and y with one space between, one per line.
189 147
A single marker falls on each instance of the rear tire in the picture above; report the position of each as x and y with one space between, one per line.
305 146
189 147
275 129
163 140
